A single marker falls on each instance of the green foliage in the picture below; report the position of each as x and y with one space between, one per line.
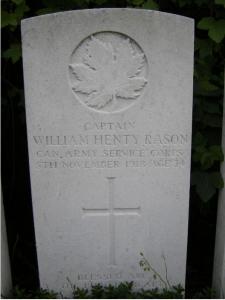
206 293
220 2
136 2
175 292
150 4
146 4
13 53
21 293
208 72
123 290
205 155
12 14
145 264
215 28
208 94
207 183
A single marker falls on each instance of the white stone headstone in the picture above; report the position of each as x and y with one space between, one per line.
109 113
6 280
219 259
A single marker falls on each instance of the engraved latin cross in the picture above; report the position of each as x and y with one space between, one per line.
112 211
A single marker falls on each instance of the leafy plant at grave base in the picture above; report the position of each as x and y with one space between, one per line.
169 291
123 290
145 264
206 293
21 293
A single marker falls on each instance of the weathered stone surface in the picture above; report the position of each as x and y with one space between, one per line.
219 260
109 110
6 280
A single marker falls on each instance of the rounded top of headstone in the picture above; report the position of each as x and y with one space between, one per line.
100 11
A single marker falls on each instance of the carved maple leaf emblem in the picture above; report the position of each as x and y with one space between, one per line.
106 74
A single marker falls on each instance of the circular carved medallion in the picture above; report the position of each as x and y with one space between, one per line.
108 71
